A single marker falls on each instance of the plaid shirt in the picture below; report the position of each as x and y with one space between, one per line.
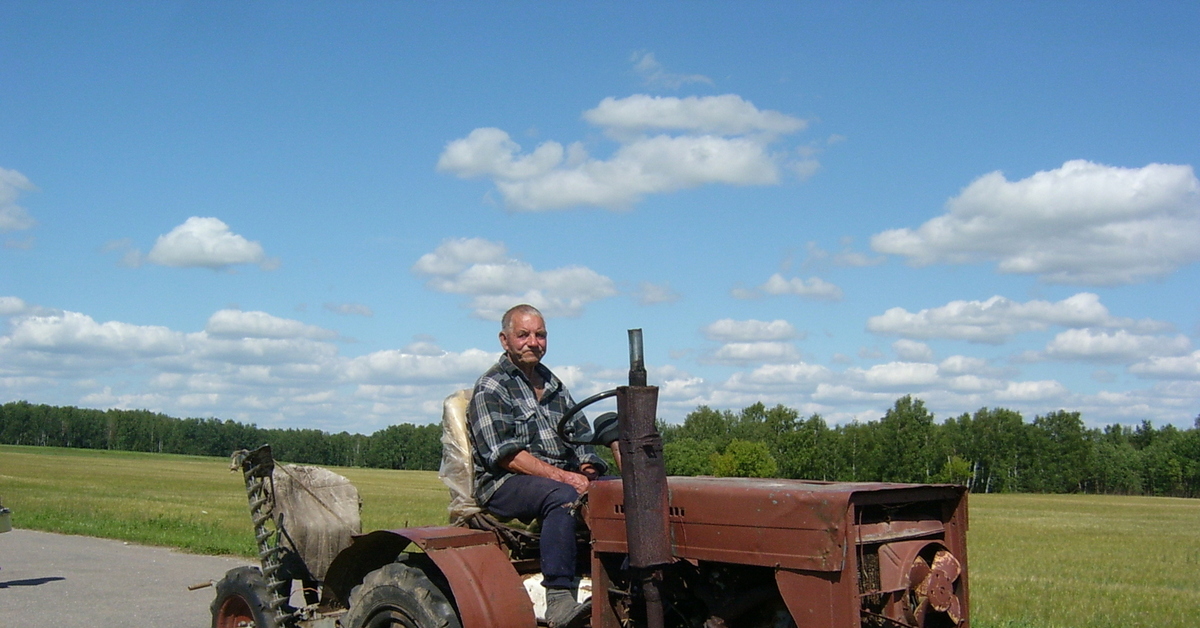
505 417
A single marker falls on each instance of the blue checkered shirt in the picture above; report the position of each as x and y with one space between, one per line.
505 417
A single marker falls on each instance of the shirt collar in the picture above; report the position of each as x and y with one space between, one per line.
551 380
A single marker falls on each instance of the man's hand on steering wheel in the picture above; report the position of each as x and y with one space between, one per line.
589 471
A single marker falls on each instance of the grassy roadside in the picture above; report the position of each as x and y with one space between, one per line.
1036 560
190 502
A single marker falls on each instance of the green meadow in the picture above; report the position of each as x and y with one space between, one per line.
1035 560
194 503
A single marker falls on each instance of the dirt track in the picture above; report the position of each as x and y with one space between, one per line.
59 580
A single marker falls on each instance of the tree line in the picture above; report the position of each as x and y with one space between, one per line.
402 446
992 450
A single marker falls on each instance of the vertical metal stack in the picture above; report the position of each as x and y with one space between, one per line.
644 479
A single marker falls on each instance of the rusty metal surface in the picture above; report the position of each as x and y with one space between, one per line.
365 554
866 493
816 534
896 561
885 531
371 551
603 613
771 523
644 490
792 524
431 538
956 542
818 600
644 484
486 587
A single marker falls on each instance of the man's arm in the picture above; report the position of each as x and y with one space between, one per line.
490 420
525 463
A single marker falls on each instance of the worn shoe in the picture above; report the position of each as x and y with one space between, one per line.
562 611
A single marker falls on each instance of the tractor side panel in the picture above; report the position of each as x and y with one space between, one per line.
956 539
787 524
487 589
817 599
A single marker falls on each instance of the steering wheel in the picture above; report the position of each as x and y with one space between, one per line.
604 429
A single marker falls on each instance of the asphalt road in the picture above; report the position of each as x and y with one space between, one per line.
60 580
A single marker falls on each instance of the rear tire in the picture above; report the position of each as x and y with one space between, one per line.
242 600
400 595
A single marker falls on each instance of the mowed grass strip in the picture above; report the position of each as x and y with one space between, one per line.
1035 560
190 502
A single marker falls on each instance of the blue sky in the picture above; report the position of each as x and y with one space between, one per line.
310 214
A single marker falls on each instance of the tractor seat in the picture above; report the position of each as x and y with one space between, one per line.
457 472
458 463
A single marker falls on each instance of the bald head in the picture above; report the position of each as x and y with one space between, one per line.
506 322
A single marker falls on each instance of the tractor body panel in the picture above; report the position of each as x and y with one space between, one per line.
838 553
485 585
771 523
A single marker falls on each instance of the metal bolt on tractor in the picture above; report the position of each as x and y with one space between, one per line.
659 552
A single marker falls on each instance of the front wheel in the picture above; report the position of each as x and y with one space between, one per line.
243 599
399 596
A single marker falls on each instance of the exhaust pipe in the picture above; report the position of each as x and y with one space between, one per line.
644 480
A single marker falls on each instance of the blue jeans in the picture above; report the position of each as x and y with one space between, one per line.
529 497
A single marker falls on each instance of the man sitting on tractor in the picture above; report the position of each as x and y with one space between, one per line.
523 469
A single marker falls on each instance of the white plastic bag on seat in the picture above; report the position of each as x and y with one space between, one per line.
458 466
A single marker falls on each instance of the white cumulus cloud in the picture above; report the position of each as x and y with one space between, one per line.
239 324
997 319
813 288
896 375
245 366
13 217
1114 346
397 365
730 330
79 334
727 114
483 270
206 243
12 305
1177 367
912 351
1042 390
261 351
349 309
961 364
665 144
654 74
799 375
755 353
1083 224
656 293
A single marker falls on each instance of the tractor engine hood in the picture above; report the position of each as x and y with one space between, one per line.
789 524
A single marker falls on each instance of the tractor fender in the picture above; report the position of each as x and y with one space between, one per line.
487 589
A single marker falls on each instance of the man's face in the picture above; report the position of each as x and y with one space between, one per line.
525 343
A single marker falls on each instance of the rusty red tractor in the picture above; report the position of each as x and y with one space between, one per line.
658 552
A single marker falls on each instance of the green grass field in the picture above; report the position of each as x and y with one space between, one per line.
190 502
1035 560
1084 560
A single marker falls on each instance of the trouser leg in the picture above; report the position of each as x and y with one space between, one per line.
529 497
